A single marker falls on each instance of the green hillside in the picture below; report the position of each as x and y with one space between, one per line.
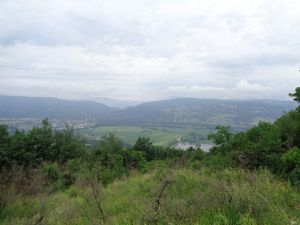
189 197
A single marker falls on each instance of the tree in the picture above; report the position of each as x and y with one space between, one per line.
42 142
289 125
110 143
4 136
109 152
291 161
4 144
67 145
296 95
144 144
134 159
19 152
262 147
222 138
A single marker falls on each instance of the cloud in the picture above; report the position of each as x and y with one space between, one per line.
144 50
241 90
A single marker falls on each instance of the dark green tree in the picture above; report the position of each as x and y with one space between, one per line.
110 143
134 159
67 145
20 153
41 140
261 146
144 144
291 161
222 139
289 124
296 95
4 146
4 135
109 152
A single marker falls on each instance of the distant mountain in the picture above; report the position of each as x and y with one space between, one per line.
115 103
207 113
41 107
204 112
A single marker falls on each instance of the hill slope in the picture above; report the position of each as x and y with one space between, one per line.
35 107
185 197
203 112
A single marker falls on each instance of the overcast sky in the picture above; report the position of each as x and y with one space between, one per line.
149 49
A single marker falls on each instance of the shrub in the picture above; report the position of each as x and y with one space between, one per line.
291 161
52 172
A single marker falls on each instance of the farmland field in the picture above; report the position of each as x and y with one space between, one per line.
163 136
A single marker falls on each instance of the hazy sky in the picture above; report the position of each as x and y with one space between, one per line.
149 49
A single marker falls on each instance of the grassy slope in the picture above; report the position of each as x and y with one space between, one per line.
159 136
194 197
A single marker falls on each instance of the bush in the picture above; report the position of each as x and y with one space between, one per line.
52 172
134 159
74 165
291 160
203 197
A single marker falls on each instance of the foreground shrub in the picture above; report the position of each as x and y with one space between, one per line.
52 172
164 196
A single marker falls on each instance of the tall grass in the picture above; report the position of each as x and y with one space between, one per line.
163 196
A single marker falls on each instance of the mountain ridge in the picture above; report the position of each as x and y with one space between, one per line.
168 112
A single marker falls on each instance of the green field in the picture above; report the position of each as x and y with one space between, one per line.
163 136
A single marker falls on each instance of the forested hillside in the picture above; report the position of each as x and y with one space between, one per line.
41 107
239 114
249 178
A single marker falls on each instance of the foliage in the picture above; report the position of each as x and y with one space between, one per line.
296 95
289 125
39 145
177 196
221 137
52 172
134 159
261 147
291 161
273 146
145 145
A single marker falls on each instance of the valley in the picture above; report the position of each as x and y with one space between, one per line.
160 136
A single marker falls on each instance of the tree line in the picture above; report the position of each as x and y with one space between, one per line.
275 146
56 150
